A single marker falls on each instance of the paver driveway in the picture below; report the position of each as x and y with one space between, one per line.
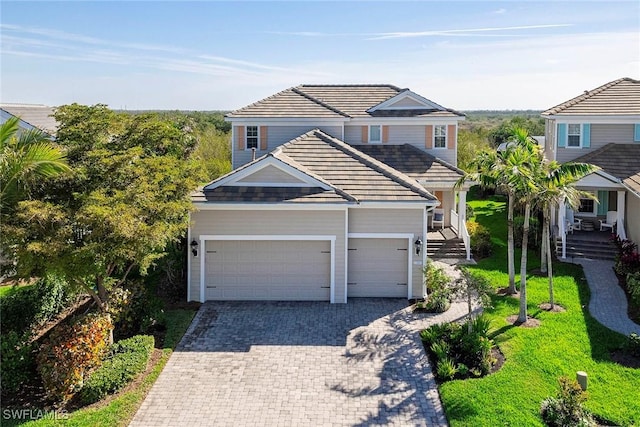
298 364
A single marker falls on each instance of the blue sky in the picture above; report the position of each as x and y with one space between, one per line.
213 55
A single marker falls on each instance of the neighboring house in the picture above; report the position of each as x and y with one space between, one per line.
32 116
602 127
332 191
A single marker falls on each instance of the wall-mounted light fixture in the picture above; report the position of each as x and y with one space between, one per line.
418 245
194 247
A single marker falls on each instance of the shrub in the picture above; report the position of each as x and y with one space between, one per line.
70 352
632 345
16 360
534 232
438 290
633 287
461 350
32 306
481 245
627 258
135 310
127 358
566 410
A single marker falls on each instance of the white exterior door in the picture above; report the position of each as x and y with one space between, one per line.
274 270
378 268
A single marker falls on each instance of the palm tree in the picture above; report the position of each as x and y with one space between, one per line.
557 187
25 158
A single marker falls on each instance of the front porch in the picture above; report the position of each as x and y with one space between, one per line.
587 244
443 244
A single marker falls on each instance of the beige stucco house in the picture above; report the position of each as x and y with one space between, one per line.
331 196
601 127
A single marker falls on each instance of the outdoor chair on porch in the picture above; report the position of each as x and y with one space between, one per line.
437 218
572 222
610 222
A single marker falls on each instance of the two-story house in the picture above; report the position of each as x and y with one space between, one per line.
601 127
332 193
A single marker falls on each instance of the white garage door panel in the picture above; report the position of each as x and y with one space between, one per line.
377 268
268 270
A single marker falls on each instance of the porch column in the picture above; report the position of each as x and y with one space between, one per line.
462 210
620 215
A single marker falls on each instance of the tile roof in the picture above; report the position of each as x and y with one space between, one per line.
619 160
352 174
619 97
413 162
36 115
333 101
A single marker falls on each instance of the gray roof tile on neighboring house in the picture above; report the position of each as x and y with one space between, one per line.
619 160
413 162
333 101
619 97
36 115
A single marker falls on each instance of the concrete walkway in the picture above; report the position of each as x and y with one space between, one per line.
608 302
300 363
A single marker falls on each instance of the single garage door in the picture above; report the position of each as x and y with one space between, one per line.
268 270
377 268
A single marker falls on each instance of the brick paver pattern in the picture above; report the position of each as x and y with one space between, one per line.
608 302
300 364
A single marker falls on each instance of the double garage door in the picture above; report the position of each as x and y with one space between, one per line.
301 270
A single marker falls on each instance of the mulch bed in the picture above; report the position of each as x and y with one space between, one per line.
505 293
530 323
633 310
623 358
556 308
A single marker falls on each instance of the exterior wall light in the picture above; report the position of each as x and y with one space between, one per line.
194 247
418 245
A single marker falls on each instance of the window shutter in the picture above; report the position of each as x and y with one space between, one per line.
586 135
603 202
263 138
385 134
451 137
636 132
365 134
562 135
428 136
240 135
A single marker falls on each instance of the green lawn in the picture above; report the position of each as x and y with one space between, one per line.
121 410
563 344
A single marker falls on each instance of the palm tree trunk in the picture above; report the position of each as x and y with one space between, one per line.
510 247
522 316
545 242
550 264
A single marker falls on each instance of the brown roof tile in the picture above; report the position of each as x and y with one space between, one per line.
619 97
413 162
619 160
333 101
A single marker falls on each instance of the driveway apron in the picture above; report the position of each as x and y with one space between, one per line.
298 364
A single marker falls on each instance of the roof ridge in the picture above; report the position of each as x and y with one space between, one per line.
376 165
319 102
389 85
586 95
259 101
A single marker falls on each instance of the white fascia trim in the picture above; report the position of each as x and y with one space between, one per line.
206 206
427 104
418 121
288 121
276 237
346 254
409 237
631 190
233 178
394 205
445 185
621 119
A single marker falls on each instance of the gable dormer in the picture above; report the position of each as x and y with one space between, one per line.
407 100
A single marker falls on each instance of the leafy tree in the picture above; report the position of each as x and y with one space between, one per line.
26 158
504 132
470 143
125 201
471 285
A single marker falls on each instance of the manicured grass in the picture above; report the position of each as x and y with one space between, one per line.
121 410
564 343
9 289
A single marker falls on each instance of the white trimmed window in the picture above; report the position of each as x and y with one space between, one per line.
375 134
251 137
573 135
440 136
588 207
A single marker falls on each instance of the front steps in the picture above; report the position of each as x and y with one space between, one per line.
584 246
